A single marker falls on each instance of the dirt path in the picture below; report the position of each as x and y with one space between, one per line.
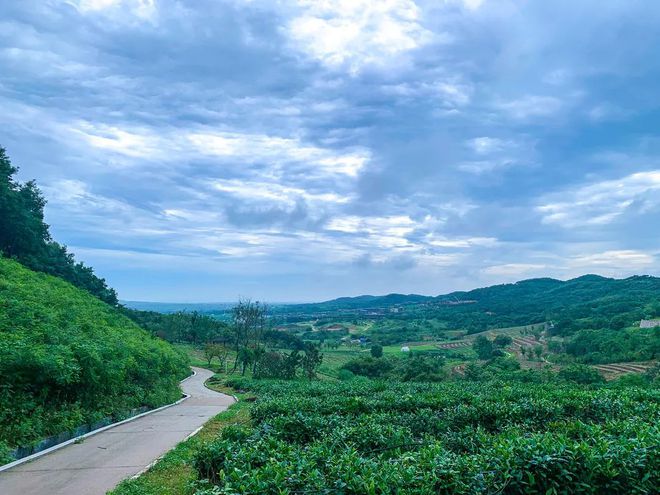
100 462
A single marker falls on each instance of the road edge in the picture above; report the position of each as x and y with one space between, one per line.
94 432
190 435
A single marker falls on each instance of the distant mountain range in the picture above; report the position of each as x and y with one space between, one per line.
520 303
517 289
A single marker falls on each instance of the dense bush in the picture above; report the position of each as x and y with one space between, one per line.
368 437
414 367
182 326
579 373
67 358
370 366
611 346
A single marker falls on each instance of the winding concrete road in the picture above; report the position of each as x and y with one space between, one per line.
100 462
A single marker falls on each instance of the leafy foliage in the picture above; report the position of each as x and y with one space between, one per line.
367 437
611 346
193 327
414 367
66 358
376 350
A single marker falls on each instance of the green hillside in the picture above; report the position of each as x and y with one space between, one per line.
67 358
590 301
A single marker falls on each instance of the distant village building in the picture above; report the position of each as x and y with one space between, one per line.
649 323
405 348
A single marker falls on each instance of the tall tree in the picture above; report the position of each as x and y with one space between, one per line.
249 327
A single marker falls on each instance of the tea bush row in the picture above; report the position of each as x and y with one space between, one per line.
368 437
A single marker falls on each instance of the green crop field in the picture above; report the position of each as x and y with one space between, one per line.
456 438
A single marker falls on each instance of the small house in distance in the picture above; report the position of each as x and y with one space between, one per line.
649 323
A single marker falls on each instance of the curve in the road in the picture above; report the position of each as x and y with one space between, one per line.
100 462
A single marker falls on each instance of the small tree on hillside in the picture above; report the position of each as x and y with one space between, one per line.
311 360
248 328
483 347
502 340
377 350
209 353
538 350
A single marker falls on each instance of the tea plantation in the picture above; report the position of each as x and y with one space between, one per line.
461 437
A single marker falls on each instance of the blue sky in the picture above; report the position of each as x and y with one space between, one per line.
302 150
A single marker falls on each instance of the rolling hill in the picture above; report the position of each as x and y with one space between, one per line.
590 301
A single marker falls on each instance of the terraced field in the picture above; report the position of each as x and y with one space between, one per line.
615 370
454 345
525 342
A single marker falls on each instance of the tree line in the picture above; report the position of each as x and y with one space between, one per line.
25 237
252 345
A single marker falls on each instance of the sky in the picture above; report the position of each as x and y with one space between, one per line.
303 150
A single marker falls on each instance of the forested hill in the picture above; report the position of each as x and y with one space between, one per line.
68 358
557 292
604 302
25 237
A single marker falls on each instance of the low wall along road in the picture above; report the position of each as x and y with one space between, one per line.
101 461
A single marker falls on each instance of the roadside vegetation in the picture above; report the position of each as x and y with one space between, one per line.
69 359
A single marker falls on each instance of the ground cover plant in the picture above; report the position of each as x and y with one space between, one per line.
371 437
67 358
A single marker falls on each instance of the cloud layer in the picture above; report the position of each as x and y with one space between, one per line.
301 150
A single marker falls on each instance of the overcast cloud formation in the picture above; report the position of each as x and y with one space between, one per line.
300 150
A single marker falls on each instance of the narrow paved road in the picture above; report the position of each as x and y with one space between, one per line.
100 462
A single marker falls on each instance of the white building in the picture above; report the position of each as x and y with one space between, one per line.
649 323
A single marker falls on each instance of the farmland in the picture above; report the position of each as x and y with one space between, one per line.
461 437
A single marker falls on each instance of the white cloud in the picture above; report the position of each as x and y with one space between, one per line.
354 33
603 202
532 106
397 226
486 145
278 149
274 192
136 143
626 260
119 10
75 196
460 242
176 144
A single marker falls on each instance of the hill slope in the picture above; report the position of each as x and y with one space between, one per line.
589 301
68 358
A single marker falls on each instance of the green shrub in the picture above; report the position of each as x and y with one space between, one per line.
580 373
345 375
368 437
376 350
369 366
67 359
